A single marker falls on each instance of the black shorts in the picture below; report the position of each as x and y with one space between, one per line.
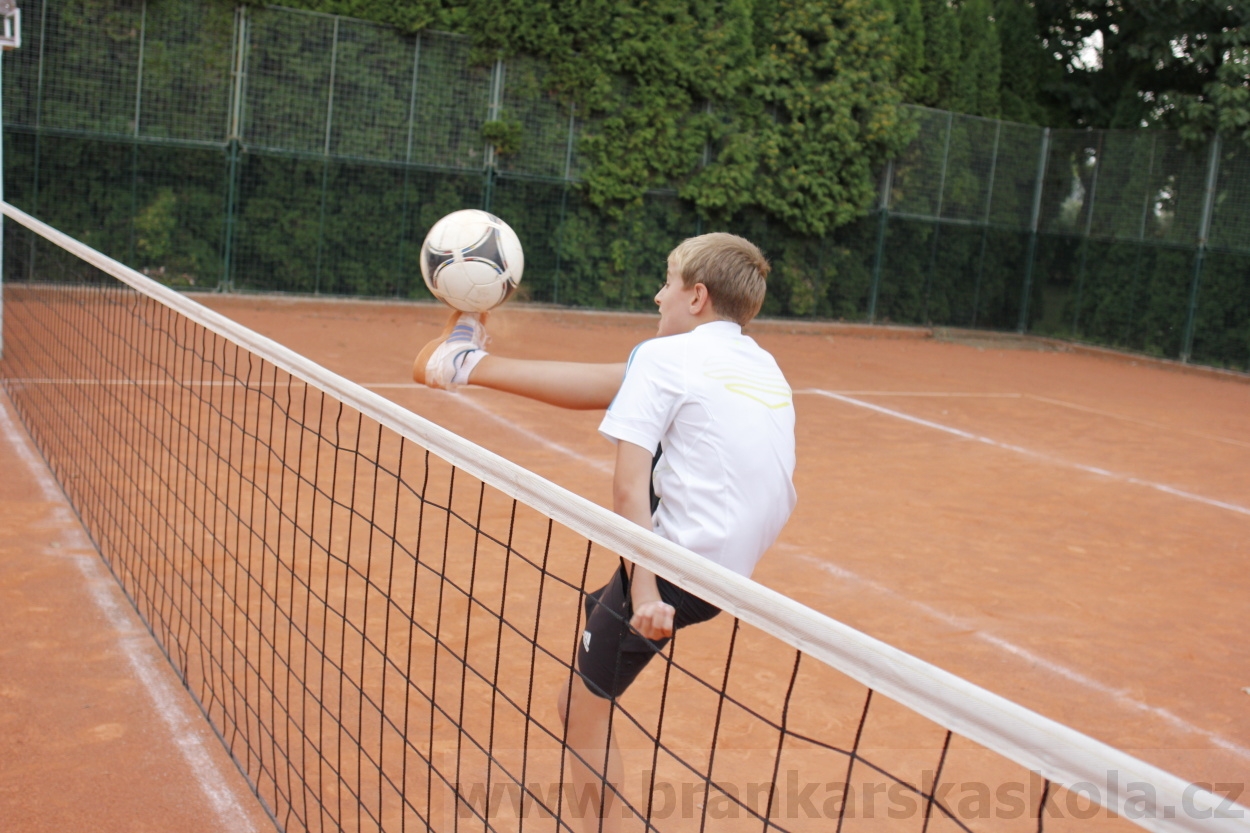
611 654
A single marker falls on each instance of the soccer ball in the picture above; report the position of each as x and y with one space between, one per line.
472 260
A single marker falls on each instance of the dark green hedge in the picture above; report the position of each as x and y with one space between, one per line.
779 107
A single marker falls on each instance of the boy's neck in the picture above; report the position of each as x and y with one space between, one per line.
699 321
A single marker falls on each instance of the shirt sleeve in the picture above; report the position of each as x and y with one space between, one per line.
644 407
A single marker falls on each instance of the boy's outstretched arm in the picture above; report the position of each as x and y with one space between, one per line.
631 499
576 385
458 357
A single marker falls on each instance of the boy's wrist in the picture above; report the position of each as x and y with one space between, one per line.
639 597
643 588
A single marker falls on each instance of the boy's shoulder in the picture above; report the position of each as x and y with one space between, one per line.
657 348
703 352
669 350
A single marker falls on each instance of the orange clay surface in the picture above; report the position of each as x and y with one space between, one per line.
1066 528
96 733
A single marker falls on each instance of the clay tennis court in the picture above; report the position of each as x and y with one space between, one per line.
1098 599
1062 528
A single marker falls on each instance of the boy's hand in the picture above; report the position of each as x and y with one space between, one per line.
654 620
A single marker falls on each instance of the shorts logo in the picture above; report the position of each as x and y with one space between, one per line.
585 640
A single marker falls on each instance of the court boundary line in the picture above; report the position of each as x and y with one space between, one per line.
1148 423
102 587
1027 452
534 436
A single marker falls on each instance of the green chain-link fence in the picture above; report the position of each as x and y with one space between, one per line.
273 149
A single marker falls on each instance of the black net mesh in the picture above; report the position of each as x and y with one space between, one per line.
379 636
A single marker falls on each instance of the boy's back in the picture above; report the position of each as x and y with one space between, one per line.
720 409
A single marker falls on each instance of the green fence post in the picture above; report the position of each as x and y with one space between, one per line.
34 200
1147 198
325 159
233 138
985 222
1027 289
704 161
1089 228
488 187
493 109
564 200
134 140
232 180
1204 232
937 217
883 219
10 43
401 280
1 200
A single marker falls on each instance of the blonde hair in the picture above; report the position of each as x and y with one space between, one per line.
731 267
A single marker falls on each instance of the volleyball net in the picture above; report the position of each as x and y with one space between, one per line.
377 616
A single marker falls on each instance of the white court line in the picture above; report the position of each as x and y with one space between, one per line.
929 393
61 513
1120 696
192 383
17 439
137 645
536 438
1136 421
1037 455
972 394
182 383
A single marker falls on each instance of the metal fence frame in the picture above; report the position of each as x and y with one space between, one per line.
1050 179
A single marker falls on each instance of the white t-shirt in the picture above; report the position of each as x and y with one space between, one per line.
723 412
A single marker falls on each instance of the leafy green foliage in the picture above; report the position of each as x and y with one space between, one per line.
154 228
952 54
827 78
504 134
977 77
408 16
910 36
784 106
942 52
1026 68
1177 63
1221 106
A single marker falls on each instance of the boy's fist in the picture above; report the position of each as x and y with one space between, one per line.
654 620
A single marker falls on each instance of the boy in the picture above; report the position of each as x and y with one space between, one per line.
720 412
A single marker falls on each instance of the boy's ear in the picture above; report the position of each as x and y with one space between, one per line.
701 300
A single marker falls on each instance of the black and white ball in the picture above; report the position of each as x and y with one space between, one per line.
472 260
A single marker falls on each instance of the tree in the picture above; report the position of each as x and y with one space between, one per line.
976 81
942 52
827 81
1026 68
910 29
1172 63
